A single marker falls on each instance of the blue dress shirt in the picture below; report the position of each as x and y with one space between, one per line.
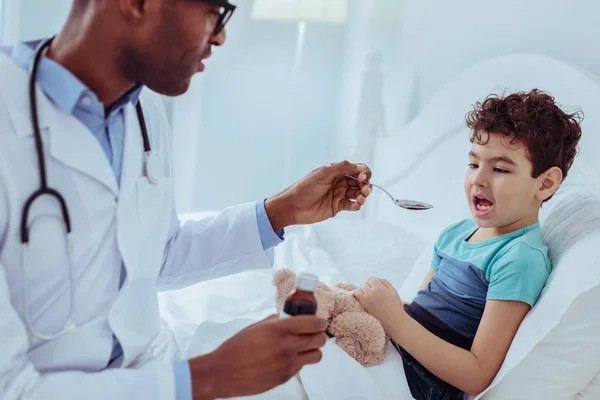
72 97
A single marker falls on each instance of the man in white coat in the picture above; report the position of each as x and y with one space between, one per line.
79 278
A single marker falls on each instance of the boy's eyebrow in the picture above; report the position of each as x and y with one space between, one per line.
493 159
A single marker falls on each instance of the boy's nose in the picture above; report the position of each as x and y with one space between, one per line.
478 179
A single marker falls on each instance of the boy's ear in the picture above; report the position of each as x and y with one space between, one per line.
549 182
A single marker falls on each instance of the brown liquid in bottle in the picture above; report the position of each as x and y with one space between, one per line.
302 300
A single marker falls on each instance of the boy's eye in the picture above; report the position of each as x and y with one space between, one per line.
472 165
500 170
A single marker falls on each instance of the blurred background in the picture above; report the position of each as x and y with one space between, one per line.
306 84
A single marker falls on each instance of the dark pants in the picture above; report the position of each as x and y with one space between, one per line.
423 384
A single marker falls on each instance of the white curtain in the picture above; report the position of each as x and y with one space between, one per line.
377 80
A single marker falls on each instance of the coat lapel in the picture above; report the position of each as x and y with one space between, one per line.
72 144
66 139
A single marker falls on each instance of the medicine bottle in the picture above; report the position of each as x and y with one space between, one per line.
302 300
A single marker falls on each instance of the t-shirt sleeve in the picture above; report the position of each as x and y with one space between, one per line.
520 274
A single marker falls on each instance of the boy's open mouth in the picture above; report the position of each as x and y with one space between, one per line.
482 204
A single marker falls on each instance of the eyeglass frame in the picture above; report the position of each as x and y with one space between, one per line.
225 16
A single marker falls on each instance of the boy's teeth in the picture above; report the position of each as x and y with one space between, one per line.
482 207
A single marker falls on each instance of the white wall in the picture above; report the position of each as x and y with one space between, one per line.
445 37
41 18
427 42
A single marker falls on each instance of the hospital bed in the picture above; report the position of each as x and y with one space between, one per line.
556 352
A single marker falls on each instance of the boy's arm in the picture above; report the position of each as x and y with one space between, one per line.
470 371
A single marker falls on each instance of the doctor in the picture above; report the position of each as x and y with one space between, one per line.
88 230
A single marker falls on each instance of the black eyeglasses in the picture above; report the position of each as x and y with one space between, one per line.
227 10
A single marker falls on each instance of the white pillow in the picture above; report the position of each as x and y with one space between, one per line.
572 213
349 251
366 248
563 362
556 350
591 391
409 288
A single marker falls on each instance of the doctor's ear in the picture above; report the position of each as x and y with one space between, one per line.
133 10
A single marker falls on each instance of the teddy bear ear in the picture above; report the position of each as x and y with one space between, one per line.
283 276
283 280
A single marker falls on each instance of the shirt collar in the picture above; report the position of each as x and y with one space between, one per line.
62 87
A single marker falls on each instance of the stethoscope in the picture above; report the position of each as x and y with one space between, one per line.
153 170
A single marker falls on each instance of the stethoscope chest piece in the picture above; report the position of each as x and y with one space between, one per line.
154 167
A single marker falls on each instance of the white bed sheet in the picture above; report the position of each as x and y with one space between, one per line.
337 376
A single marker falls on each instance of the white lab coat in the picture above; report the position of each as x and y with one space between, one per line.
137 224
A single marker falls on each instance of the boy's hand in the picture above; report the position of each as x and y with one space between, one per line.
380 299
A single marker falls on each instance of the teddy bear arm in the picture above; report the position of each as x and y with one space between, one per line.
360 335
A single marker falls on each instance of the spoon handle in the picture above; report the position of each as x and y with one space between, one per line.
377 186
385 191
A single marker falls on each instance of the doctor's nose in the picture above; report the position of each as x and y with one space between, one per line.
219 38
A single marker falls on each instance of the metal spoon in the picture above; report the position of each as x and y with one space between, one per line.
408 204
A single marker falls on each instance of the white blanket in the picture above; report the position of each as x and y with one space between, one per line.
202 317
337 376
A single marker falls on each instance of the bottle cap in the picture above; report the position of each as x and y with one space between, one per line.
307 282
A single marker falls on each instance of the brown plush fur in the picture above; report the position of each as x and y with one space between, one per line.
358 333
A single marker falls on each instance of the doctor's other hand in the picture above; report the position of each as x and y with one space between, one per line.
260 357
320 195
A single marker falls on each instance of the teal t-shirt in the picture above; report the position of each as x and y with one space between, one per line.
514 266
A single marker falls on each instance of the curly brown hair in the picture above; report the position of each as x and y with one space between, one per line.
550 135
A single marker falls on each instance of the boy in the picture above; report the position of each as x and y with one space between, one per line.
487 272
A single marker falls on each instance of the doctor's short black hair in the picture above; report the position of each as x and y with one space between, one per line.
551 135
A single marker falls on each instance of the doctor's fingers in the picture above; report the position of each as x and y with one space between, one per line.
306 343
310 357
339 170
342 201
302 325
365 187
355 194
347 205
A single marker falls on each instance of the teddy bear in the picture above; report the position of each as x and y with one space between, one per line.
357 332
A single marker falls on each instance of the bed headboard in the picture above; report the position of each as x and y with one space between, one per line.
427 159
